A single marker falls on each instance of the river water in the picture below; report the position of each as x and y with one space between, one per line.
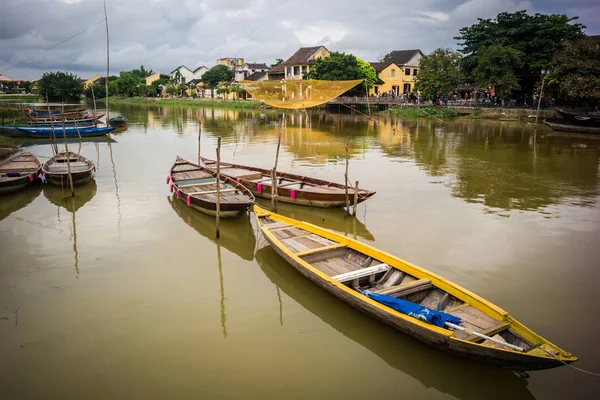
123 292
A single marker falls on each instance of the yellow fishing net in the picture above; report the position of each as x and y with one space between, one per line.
295 94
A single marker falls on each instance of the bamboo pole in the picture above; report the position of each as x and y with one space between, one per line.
218 186
54 145
67 153
355 199
539 105
346 176
222 290
199 141
107 62
368 103
94 112
274 171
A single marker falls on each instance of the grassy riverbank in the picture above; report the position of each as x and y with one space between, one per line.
239 104
7 146
426 112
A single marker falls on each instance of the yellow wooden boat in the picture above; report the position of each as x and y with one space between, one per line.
347 268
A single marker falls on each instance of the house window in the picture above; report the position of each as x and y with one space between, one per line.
407 71
406 87
415 72
393 72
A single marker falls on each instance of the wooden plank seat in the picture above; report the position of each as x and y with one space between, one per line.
318 249
213 191
211 182
77 166
475 320
405 289
491 331
361 273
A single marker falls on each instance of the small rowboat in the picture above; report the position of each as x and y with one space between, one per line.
197 186
69 131
295 189
119 120
56 169
572 128
18 172
365 277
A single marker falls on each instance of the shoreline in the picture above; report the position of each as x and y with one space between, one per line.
208 103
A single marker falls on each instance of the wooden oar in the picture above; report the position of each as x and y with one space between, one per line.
481 335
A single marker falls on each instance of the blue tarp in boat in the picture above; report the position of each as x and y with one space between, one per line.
434 317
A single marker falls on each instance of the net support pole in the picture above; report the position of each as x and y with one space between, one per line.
355 199
218 186
274 171
346 176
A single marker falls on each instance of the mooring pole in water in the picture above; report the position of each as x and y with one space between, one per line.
346 176
54 145
218 185
94 99
355 199
199 140
274 172
67 152
539 104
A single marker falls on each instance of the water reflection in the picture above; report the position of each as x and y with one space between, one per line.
61 197
13 202
432 368
236 234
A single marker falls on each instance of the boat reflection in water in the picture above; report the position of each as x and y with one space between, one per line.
13 202
330 218
236 234
432 368
61 197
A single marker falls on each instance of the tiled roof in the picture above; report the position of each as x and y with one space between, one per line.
278 69
200 67
302 56
257 66
5 78
181 66
256 76
193 82
379 66
401 57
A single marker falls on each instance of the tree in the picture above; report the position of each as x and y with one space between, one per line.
576 70
495 67
216 75
439 72
224 90
538 37
59 86
277 62
343 67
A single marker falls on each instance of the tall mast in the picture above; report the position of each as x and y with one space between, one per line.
107 62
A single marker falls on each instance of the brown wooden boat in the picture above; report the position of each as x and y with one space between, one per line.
573 128
354 271
197 186
18 172
592 121
295 189
56 169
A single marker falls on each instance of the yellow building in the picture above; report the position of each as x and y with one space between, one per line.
91 81
302 60
232 63
398 73
152 78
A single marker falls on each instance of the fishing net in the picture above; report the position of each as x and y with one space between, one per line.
295 94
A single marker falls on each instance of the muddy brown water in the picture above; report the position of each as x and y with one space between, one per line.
124 292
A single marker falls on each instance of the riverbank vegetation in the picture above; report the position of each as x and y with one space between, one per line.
425 112
148 101
7 146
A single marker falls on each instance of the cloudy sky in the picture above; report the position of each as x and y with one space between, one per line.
163 34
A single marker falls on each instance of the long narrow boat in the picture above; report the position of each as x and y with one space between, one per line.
56 169
18 172
572 128
86 119
580 120
357 274
69 131
295 189
197 186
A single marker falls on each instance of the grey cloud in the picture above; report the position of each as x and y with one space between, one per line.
162 34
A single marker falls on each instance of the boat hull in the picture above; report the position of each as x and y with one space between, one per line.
79 178
573 128
16 185
28 173
48 132
441 339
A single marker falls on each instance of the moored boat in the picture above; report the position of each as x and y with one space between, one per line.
580 120
119 120
18 172
87 119
197 186
380 284
572 128
56 169
295 189
69 131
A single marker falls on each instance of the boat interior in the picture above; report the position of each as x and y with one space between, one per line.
61 163
264 178
201 184
359 272
23 164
